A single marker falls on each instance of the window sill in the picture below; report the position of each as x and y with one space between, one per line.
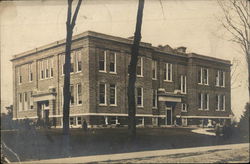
154 108
139 76
114 73
102 71
184 111
170 81
113 105
102 104
154 79
140 106
200 109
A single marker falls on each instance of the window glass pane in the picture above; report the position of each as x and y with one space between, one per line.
139 96
112 94
102 61
139 67
72 94
102 94
79 94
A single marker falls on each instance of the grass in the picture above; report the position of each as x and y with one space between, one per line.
46 144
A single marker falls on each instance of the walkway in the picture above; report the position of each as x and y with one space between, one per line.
204 131
143 154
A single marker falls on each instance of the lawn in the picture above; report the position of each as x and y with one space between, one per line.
47 144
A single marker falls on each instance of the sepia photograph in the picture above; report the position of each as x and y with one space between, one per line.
125 81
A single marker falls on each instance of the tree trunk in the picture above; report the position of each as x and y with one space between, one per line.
70 24
132 72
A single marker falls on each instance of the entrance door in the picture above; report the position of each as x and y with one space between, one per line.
169 116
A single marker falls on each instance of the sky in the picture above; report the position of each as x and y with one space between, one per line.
195 24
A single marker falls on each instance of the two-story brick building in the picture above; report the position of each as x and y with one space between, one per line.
172 86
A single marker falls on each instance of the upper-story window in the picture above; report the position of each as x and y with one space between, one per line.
184 107
51 66
46 68
102 94
140 97
25 95
72 64
183 84
203 100
154 69
79 94
139 69
154 98
30 71
220 103
112 99
31 101
72 95
62 63
112 62
168 72
220 78
20 102
41 68
102 61
78 61
203 76
19 75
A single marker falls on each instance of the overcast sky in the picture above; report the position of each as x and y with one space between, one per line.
192 23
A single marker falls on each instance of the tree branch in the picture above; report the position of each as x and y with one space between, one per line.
76 13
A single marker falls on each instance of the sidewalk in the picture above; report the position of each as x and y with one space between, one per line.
204 131
143 154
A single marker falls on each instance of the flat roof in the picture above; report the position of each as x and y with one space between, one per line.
120 40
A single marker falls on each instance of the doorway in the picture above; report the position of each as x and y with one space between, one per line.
169 117
43 112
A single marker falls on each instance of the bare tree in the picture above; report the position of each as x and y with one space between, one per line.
237 23
132 72
70 24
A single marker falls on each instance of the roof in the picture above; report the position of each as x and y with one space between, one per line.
162 49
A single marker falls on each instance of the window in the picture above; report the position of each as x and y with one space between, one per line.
102 61
31 104
62 96
79 120
203 76
184 107
72 65
72 97
20 102
140 97
168 73
220 78
203 100
139 68
112 66
41 69
62 59
46 65
220 103
30 72
112 94
51 65
71 120
154 98
25 101
206 101
154 69
183 84
19 75
79 94
78 61
102 94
